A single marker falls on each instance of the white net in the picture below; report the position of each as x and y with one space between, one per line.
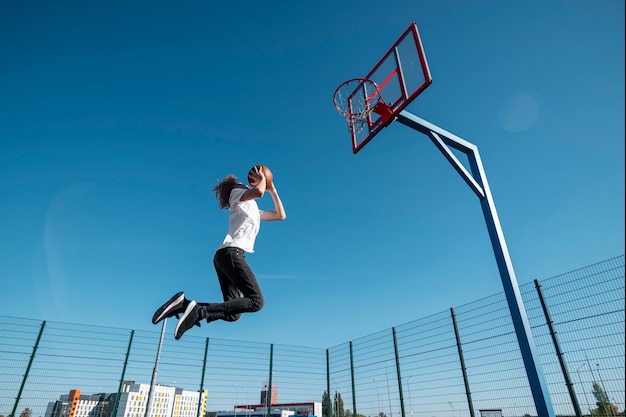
355 99
356 123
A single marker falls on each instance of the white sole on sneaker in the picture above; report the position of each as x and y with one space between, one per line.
188 310
164 311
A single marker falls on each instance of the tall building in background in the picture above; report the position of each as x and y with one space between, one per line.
76 404
265 394
277 409
167 401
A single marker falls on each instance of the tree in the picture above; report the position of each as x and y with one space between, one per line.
26 413
605 408
338 406
326 411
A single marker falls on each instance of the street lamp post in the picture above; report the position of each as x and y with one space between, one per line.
589 366
582 386
334 412
408 387
604 388
388 394
452 407
377 396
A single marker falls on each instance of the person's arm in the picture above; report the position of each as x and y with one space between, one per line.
279 211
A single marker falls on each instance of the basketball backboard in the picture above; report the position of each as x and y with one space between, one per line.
371 103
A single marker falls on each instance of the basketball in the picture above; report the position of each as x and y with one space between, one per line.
266 172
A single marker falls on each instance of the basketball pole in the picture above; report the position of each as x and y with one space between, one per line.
477 181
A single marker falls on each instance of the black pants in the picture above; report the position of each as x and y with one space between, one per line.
240 289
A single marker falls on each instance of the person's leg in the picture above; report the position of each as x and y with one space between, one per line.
233 273
235 277
229 290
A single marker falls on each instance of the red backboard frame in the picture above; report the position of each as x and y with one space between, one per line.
401 74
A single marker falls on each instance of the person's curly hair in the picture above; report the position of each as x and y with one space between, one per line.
223 189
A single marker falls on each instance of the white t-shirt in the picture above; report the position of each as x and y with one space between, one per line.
244 222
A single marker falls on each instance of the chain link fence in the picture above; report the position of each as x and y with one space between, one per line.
457 363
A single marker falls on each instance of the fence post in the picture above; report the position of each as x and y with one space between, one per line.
268 398
399 375
206 350
559 353
119 389
330 404
30 362
352 377
462 360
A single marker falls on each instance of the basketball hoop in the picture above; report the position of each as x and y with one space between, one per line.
356 99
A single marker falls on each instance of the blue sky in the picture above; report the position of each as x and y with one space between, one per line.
118 117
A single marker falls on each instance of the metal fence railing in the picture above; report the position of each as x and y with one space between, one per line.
451 364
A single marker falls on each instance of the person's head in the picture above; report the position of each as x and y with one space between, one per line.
223 188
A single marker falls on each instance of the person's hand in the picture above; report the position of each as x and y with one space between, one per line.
255 176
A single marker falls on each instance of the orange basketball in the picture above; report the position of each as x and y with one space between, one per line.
266 172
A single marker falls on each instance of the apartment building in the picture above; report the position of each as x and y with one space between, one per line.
166 401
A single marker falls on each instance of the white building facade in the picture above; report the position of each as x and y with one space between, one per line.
167 401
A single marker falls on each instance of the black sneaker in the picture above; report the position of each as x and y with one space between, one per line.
188 320
173 307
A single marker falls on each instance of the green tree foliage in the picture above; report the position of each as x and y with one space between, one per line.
605 408
326 412
26 413
338 406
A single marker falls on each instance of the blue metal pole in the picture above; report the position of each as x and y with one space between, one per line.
477 181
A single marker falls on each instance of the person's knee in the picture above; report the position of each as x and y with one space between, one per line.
257 303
